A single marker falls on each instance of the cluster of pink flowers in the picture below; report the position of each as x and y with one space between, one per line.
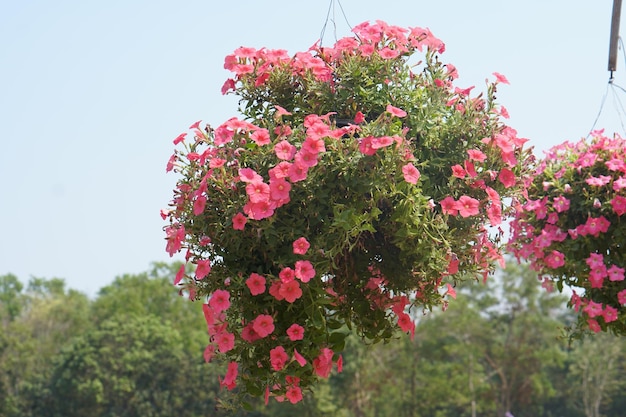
300 226
571 227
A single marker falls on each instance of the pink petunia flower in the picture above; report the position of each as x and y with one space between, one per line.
300 246
258 192
203 268
560 204
304 270
261 137
239 221
507 177
286 275
410 173
615 273
619 204
294 394
249 175
395 111
225 341
263 325
278 358
290 291
609 314
295 332
621 297
256 283
230 378
467 206
220 301
449 206
279 189
323 364
298 172
458 171
285 150
554 259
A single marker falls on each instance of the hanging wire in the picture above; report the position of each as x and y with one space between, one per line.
331 7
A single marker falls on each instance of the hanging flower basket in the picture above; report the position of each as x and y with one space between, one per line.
357 187
573 231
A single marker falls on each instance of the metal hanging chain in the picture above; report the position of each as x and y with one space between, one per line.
331 7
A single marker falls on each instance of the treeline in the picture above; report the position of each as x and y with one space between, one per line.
137 350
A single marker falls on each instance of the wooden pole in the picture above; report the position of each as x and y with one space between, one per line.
617 8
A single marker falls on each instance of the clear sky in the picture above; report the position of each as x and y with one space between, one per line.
93 93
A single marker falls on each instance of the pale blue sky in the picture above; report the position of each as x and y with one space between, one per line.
93 93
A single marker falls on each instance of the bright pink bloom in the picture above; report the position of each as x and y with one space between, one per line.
298 172
595 260
382 142
286 275
314 145
359 118
596 225
229 85
275 290
593 309
598 181
560 204
299 358
258 192
179 138
180 274
225 341
554 259
248 334
239 221
208 353
306 158
365 146
220 301
279 189
260 210
405 322
458 171
449 206
500 78
256 284
476 155
300 246
597 275
451 291
323 364
410 173
295 332
593 325
470 168
290 291
609 314
619 183
281 170
261 137
467 206
285 150
175 236
294 394
280 111
507 177
395 111
619 204
249 175
203 268
263 325
216 162
615 273
304 270
621 297
278 358
230 378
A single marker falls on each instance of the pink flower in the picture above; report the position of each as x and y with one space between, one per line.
203 268
410 173
395 111
279 189
621 297
263 325
299 358
304 270
595 260
284 150
275 290
286 275
507 177
300 246
261 137
405 323
609 314
615 273
619 204
249 175
560 204
593 325
593 309
208 353
382 142
280 111
365 146
294 394
295 332
598 181
554 259
359 118
260 210
248 334
596 225
476 155
298 172
230 378
180 274
458 171
225 341
281 170
256 284
500 78
597 275
220 301
290 291
323 364
449 206
467 206
239 221
619 183
258 192
278 358
314 145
